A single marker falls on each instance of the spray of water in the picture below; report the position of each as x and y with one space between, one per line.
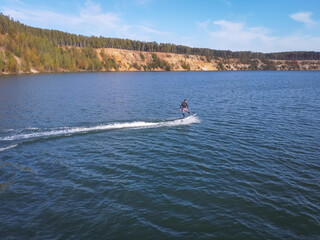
103 127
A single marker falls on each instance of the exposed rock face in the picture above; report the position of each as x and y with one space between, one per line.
128 60
135 61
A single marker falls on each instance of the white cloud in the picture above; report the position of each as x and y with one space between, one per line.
93 18
236 36
151 30
90 20
41 17
304 17
203 25
298 43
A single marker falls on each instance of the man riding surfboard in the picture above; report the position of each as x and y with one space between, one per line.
184 108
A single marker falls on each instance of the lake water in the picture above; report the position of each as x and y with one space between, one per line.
107 156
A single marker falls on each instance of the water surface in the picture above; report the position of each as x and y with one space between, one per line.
107 156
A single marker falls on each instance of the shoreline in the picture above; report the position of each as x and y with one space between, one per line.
162 71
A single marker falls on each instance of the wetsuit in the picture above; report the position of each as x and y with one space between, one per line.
184 107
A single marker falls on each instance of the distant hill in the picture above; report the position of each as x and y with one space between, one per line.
25 49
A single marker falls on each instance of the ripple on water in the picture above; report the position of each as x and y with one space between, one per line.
105 165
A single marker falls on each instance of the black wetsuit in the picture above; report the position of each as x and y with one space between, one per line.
184 107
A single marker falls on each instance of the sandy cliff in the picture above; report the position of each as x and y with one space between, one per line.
128 60
136 60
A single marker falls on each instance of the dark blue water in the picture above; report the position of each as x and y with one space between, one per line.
107 156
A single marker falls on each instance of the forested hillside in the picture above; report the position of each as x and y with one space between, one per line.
25 49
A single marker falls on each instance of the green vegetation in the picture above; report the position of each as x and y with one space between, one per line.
11 63
158 63
220 66
9 26
109 62
42 55
254 65
269 65
136 66
27 49
185 66
2 62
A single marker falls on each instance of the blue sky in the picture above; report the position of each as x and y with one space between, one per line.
246 25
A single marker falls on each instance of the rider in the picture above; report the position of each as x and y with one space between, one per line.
184 107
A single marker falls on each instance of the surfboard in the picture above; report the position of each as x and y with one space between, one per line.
192 115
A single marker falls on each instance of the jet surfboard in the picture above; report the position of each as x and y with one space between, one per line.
191 115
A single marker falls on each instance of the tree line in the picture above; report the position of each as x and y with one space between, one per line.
59 38
42 55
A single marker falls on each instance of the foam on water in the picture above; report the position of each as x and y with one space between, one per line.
6 148
102 127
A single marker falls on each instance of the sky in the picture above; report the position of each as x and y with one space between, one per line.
236 25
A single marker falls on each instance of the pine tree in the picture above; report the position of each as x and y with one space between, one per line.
11 63
2 62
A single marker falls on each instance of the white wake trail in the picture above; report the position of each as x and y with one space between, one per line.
76 130
6 148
